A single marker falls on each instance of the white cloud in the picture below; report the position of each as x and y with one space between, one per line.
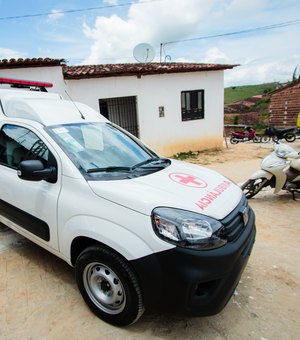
55 14
7 53
156 22
216 56
246 7
264 56
261 72
111 2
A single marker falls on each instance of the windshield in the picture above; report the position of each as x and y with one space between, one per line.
102 150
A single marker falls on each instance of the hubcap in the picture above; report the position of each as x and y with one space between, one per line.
104 288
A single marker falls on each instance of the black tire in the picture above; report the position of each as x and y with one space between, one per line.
290 137
265 139
109 286
233 140
253 186
257 139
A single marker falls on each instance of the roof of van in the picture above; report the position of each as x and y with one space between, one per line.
45 108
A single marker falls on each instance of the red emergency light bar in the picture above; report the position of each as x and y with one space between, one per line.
24 83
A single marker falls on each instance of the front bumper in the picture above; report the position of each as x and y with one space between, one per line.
194 282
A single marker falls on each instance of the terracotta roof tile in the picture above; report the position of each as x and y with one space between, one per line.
30 62
113 70
293 83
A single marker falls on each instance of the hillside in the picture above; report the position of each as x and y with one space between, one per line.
233 94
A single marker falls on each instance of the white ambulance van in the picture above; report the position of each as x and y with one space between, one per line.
142 231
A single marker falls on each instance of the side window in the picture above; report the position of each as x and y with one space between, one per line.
18 144
192 105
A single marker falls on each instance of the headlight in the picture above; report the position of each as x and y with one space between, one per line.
187 229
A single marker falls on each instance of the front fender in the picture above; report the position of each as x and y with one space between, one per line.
124 241
261 174
279 183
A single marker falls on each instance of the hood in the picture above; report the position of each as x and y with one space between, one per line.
181 185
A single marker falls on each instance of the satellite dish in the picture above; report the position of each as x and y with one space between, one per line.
143 53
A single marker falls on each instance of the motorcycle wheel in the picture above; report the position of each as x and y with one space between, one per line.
265 139
257 139
253 186
233 140
290 137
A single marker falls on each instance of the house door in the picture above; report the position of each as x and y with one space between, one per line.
121 111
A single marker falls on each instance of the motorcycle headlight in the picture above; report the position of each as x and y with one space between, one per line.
187 229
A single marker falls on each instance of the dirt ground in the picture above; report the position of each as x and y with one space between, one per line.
39 298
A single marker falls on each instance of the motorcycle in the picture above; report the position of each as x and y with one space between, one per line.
276 134
237 137
277 172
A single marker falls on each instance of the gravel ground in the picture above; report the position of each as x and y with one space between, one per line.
39 298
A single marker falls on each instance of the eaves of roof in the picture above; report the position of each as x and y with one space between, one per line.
137 69
112 70
30 62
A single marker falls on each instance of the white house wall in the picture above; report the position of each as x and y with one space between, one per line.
167 135
51 74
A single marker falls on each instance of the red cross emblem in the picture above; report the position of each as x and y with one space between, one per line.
188 180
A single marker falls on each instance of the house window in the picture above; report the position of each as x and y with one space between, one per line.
121 111
192 105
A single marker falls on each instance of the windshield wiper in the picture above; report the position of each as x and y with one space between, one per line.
109 169
156 162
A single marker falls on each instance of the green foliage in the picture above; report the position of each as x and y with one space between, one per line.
233 94
263 104
295 74
264 115
195 154
186 155
236 120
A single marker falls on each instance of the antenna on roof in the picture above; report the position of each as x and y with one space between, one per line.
144 53
162 51
81 115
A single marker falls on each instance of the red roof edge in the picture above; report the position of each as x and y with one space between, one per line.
138 69
30 62
113 70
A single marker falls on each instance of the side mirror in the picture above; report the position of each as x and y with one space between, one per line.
34 170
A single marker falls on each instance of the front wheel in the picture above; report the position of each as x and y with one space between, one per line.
257 139
290 137
253 186
265 139
109 286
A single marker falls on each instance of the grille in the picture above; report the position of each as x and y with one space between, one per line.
234 222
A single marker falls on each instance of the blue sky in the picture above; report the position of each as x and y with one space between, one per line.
109 32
